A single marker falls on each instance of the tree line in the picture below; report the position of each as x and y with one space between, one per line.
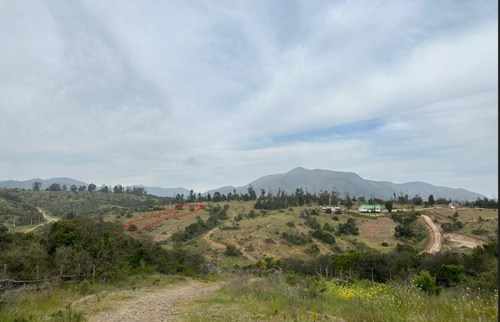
117 189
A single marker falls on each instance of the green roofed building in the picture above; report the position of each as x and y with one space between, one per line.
370 208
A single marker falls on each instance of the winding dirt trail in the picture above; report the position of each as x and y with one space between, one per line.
211 242
435 242
48 220
221 246
156 305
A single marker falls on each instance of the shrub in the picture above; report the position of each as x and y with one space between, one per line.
427 283
349 228
231 250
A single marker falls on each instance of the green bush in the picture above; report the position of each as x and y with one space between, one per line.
231 250
427 283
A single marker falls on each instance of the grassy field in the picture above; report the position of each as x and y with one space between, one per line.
277 298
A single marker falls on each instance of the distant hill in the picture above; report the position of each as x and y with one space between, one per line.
28 184
166 192
347 182
311 180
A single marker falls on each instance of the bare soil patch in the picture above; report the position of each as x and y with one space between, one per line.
460 240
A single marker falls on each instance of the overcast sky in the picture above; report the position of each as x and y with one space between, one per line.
201 94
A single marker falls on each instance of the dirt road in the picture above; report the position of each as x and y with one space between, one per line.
221 246
156 305
48 220
435 242
211 242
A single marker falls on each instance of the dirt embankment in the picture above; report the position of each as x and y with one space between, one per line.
48 220
435 242
157 305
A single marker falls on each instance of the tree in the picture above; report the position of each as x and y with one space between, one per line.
54 187
324 198
118 189
82 188
427 283
251 192
217 197
335 197
36 185
454 273
431 200
417 200
104 188
348 202
91 187
73 188
389 205
403 231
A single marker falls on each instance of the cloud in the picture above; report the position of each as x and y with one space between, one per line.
215 93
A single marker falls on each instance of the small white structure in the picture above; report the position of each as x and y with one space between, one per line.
370 208
332 209
451 206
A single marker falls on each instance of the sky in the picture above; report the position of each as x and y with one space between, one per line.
203 94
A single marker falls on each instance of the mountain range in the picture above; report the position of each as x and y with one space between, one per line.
313 181
318 180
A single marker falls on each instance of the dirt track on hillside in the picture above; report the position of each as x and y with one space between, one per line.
435 242
216 245
156 305
211 242
48 220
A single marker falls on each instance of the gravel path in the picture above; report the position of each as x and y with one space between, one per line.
157 305
48 220
435 237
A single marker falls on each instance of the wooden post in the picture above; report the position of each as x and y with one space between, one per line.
61 271
350 271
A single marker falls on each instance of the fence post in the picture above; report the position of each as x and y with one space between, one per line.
61 271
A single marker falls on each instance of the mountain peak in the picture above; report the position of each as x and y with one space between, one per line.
298 170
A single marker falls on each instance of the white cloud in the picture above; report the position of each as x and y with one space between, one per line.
175 93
